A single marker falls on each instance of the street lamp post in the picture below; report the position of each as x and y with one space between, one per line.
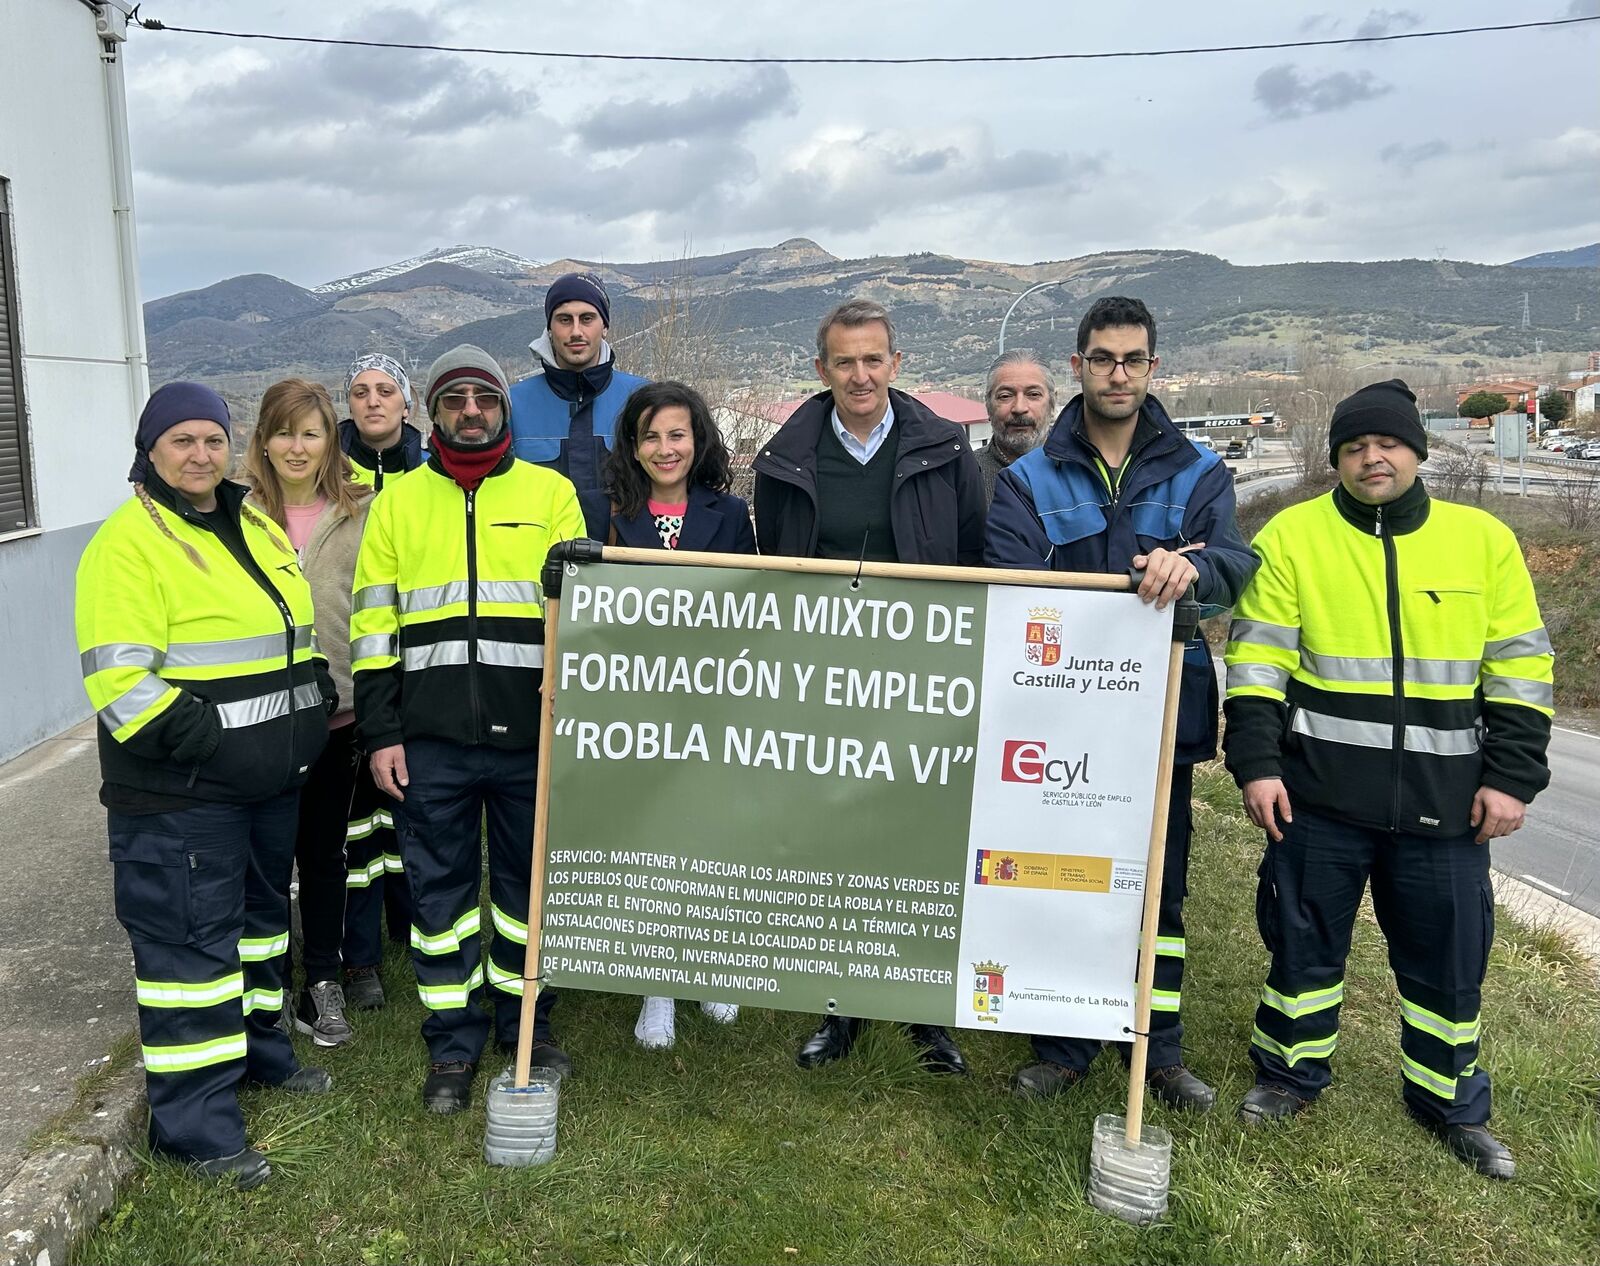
1030 290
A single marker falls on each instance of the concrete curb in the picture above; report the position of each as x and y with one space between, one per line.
1539 909
67 1187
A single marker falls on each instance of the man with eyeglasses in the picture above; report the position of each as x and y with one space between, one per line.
1114 486
447 648
564 415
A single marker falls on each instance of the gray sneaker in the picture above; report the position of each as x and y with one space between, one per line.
320 1013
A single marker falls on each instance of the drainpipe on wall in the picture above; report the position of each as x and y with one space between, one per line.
111 24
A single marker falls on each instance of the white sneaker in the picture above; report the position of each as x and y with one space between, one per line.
655 1029
720 1012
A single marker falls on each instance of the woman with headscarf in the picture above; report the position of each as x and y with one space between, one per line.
195 635
303 483
375 436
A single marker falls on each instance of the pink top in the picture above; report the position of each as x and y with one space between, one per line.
300 520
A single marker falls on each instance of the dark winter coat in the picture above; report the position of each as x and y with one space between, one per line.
936 507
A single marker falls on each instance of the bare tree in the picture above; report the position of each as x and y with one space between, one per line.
1456 473
1574 502
681 338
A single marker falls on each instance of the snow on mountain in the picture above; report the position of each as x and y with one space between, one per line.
484 259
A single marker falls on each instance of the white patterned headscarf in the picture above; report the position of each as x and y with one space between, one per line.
384 364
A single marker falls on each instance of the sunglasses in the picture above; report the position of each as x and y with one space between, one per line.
488 401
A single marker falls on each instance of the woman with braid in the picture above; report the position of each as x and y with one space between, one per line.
303 483
194 633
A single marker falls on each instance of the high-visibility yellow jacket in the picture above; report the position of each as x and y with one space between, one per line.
447 621
204 679
1387 661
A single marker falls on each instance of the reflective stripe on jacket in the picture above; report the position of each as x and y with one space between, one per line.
1388 669
161 642
447 620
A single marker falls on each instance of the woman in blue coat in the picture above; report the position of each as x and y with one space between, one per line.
665 482
665 486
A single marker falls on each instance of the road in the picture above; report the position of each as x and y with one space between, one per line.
1559 848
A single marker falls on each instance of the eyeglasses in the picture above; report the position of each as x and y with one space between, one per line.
488 401
1136 366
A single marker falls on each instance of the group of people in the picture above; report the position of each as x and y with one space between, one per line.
299 673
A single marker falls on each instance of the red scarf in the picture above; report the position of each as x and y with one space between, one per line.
469 467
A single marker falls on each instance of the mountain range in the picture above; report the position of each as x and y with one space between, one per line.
761 307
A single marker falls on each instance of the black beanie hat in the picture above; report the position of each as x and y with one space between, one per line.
584 287
1382 408
167 407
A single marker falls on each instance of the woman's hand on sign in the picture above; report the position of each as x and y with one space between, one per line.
389 770
1167 574
1266 800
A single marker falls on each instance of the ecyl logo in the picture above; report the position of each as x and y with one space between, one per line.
1028 760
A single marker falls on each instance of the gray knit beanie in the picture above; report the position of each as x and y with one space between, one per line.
462 366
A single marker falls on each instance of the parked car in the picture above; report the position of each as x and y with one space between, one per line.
1589 452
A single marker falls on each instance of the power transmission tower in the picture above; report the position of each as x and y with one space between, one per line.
1527 319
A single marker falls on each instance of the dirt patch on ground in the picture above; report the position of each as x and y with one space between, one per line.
1552 560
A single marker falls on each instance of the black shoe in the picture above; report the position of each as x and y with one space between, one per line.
830 1042
939 1053
1177 1087
1268 1102
1043 1080
448 1087
307 1081
545 1054
363 989
1471 1145
247 1168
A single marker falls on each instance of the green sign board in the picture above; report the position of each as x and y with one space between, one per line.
896 798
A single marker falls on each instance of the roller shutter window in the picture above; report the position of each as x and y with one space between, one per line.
16 491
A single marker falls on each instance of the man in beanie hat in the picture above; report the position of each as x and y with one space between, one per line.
1384 408
375 436
1389 705
447 648
564 415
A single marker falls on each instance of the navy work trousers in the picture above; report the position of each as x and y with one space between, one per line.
1436 908
204 895
1166 1022
375 878
453 789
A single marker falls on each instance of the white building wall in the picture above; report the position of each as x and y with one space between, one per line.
56 156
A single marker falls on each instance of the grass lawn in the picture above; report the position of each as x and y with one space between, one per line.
722 1150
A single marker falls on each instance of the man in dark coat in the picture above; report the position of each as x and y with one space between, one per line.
861 471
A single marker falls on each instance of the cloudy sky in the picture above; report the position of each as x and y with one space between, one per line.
312 162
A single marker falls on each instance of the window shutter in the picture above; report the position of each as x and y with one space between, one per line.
16 493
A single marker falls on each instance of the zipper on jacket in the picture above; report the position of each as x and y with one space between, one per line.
1391 567
472 612
254 571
